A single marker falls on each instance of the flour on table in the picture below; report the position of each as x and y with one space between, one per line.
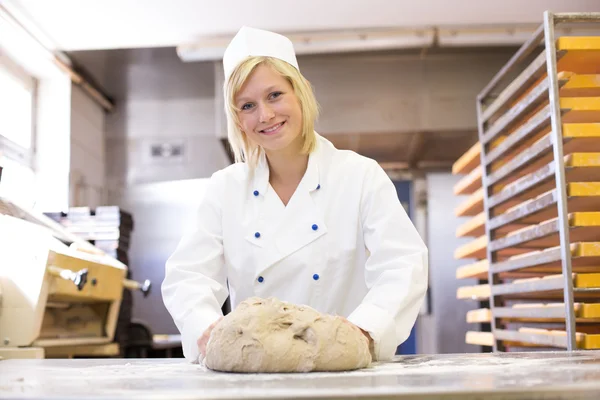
268 335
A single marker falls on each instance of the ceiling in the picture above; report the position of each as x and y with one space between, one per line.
110 24
406 150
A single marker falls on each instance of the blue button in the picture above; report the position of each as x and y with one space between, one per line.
256 192
318 186
316 277
261 279
257 235
315 227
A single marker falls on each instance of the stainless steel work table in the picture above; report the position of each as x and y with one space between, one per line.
548 375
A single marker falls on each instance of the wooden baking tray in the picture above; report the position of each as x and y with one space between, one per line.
576 138
585 257
469 183
583 226
545 337
537 312
579 167
478 249
471 206
580 55
479 338
581 196
585 286
538 97
475 227
468 161
477 270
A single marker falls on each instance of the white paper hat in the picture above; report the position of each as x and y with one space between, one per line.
257 42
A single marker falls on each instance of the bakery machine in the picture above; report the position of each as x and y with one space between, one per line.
59 295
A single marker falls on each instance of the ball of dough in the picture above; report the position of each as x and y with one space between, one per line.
268 335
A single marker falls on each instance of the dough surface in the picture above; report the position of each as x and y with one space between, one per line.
268 335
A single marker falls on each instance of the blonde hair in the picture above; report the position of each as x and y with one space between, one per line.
243 149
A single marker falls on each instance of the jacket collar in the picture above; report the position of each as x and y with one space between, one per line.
310 181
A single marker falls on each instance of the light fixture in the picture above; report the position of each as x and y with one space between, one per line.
501 35
211 49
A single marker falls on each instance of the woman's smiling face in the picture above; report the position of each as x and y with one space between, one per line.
269 111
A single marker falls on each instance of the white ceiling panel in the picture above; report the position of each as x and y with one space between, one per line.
110 24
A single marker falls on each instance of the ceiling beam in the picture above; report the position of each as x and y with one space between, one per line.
421 165
416 148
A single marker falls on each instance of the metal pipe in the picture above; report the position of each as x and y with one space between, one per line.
519 56
576 17
560 177
484 183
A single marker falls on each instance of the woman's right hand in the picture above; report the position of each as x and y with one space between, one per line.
203 341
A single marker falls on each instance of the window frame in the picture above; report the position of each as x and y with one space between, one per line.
8 148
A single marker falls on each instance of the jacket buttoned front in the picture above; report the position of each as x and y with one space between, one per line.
343 245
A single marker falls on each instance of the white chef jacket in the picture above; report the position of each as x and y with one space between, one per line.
343 245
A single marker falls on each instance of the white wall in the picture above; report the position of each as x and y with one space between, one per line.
87 181
446 327
394 93
53 143
159 100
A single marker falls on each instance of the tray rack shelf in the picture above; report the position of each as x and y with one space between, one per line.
535 195
473 253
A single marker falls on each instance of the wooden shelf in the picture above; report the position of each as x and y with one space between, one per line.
586 286
579 167
475 227
478 249
580 109
478 316
584 226
554 338
473 205
551 312
534 128
469 183
581 54
584 257
475 292
550 287
576 111
518 114
539 153
581 86
517 87
468 161
538 97
581 196
479 338
478 270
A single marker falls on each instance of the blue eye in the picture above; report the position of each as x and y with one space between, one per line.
246 106
274 95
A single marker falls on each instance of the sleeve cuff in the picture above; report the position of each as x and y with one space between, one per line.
193 327
380 325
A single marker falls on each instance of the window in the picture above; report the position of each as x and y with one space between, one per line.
17 140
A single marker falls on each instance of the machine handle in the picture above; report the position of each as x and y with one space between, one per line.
134 285
79 278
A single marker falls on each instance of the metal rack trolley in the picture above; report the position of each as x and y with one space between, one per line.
537 84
